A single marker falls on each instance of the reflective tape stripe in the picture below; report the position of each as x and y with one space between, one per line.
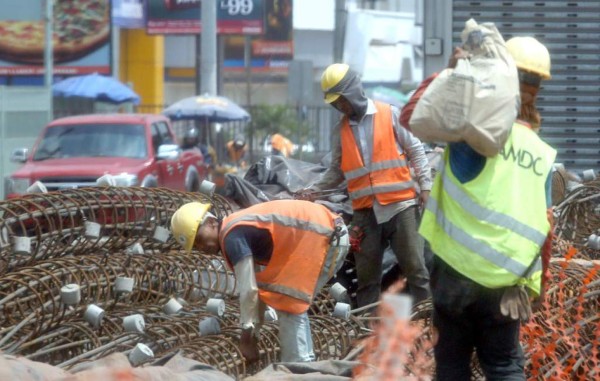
284 221
381 189
284 290
356 173
484 214
378 166
478 247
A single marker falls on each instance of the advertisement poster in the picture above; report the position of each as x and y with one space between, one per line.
81 37
274 49
183 16
278 37
128 14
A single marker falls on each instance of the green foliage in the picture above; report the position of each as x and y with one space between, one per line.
270 119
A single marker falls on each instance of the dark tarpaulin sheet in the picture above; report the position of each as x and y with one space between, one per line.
278 178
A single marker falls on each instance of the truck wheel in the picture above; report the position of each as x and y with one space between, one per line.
149 182
192 182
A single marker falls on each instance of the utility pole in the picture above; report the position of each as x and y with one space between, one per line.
48 51
340 30
208 57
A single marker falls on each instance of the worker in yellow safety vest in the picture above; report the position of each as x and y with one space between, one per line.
487 222
299 245
374 154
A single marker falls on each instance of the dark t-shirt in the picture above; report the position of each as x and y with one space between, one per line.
243 241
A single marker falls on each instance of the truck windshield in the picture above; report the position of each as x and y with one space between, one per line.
93 140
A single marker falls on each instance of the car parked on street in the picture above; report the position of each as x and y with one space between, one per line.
135 149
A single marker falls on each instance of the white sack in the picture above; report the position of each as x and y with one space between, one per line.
476 102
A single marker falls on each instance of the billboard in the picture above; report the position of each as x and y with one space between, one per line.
81 37
183 16
274 49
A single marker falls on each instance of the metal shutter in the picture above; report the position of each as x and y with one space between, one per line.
570 102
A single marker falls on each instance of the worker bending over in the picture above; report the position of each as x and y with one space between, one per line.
282 252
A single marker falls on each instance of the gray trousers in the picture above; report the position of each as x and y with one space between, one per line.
401 233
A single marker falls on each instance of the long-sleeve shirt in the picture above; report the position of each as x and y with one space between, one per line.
406 143
244 244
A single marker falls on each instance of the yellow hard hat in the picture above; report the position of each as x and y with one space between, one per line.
530 55
186 221
331 77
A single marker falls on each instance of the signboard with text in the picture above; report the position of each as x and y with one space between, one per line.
81 37
183 16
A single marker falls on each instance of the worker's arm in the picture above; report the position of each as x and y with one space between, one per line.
249 307
246 284
333 176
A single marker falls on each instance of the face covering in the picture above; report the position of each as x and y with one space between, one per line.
351 89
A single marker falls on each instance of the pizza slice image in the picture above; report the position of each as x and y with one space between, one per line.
80 27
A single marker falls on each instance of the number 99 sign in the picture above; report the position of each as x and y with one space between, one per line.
238 7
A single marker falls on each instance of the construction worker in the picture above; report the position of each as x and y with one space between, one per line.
236 151
486 221
301 246
281 146
372 154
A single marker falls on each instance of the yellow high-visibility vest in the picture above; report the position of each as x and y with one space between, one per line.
490 229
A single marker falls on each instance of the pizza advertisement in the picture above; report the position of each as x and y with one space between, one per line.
81 37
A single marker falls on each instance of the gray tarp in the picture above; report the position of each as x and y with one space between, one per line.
332 370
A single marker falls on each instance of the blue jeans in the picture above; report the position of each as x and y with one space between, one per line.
294 330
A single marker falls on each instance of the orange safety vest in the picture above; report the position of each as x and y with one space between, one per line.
235 155
388 178
301 233
282 144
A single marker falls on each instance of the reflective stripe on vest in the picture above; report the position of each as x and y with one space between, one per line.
289 291
301 233
491 228
387 177
477 246
282 220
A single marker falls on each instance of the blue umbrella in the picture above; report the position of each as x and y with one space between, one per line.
97 87
212 109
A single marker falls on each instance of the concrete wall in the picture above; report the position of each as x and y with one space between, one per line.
24 111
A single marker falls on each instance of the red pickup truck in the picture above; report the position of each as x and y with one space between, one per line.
136 149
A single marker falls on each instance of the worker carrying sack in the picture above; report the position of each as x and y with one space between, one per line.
475 102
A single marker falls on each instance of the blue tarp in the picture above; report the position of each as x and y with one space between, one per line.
97 87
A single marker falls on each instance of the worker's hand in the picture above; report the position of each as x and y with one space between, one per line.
423 197
457 54
249 345
306 194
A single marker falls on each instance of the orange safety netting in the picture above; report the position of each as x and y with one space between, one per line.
560 342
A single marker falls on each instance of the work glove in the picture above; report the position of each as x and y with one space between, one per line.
515 304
